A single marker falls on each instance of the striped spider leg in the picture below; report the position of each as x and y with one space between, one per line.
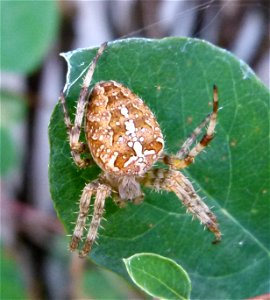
74 130
101 191
174 181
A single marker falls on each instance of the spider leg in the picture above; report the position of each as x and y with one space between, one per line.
85 199
102 192
77 147
183 152
184 157
174 181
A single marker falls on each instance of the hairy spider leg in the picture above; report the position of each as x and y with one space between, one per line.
184 157
74 131
174 181
85 200
102 192
183 152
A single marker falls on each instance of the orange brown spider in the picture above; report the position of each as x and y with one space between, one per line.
125 141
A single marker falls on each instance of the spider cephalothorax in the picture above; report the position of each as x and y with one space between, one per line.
125 140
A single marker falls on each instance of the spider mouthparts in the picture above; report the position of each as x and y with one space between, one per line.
217 240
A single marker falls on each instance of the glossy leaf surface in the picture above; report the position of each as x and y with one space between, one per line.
158 276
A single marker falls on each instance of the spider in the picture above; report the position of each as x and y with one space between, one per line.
125 141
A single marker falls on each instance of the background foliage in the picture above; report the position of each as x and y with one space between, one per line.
175 77
27 31
29 28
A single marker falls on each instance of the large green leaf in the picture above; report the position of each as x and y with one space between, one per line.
27 31
159 276
175 77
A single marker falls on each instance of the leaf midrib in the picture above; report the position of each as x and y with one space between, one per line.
157 279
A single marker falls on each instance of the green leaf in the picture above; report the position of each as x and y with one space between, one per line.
175 77
158 276
28 29
99 283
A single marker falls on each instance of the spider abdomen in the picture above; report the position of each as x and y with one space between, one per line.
123 134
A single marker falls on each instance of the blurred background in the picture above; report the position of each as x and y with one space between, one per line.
35 263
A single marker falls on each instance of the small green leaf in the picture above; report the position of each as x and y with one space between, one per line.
28 29
158 276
